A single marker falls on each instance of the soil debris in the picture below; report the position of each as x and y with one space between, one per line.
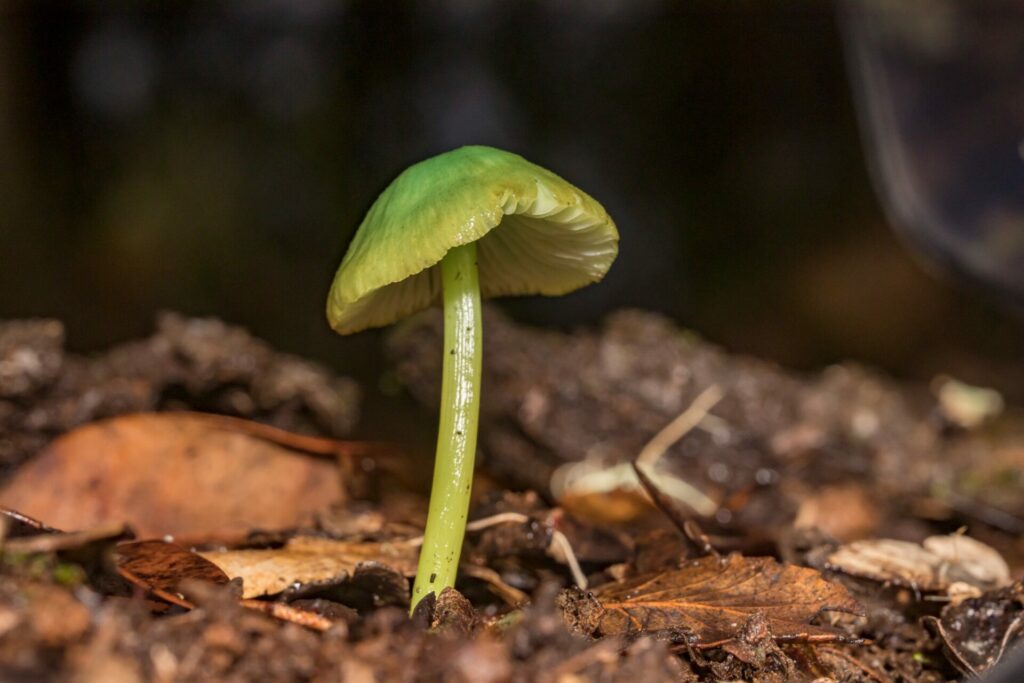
804 482
594 399
193 363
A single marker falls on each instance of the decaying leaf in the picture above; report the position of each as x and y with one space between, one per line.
710 600
940 563
978 631
890 561
160 568
305 561
182 577
180 474
970 561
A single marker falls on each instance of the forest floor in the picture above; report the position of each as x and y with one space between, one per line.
648 507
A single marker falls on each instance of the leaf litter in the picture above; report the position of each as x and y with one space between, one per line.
708 601
134 467
319 592
938 564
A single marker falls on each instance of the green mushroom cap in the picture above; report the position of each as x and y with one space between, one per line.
535 234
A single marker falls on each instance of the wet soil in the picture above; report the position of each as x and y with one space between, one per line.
782 465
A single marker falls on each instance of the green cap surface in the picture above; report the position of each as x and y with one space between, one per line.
535 234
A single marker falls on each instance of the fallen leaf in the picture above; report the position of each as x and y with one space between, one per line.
977 632
182 577
712 599
310 561
940 563
159 567
888 561
179 474
970 561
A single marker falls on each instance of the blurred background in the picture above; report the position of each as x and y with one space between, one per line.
215 158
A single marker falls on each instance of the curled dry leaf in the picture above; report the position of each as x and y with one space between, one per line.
310 561
940 563
977 632
710 600
889 561
180 474
970 561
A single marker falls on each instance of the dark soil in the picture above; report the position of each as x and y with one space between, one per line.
792 467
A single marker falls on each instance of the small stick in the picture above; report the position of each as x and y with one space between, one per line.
316 445
559 541
680 426
670 434
645 467
510 594
285 612
481 524
689 528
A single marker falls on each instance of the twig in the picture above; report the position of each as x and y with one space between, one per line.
561 542
54 542
481 524
510 594
285 612
690 530
676 487
679 427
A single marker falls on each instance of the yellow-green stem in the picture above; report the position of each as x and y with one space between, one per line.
456 436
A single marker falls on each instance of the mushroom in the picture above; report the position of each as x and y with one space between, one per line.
472 221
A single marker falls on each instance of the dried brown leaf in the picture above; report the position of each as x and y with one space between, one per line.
711 599
970 561
180 474
160 568
889 561
309 561
940 563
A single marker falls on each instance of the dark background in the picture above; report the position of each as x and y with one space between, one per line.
215 159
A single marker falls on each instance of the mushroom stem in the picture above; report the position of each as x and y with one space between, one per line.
457 429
